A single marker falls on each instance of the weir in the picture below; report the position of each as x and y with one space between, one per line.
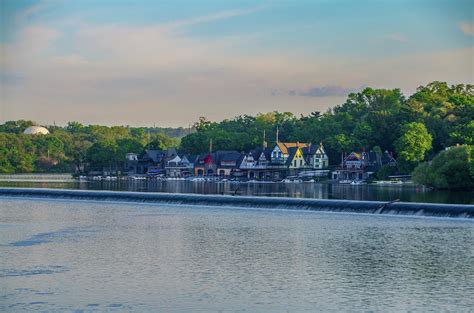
324 205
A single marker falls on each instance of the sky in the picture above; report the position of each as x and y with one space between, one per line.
166 63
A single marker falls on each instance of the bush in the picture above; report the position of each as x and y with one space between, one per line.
385 171
451 169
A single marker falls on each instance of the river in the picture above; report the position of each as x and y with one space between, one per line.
403 192
85 256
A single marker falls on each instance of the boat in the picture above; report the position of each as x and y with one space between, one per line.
345 181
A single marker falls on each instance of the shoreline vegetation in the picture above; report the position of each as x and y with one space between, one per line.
430 133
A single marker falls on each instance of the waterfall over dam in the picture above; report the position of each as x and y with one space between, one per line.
323 205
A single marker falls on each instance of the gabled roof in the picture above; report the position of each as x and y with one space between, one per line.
170 152
353 155
208 159
240 160
312 149
256 153
228 155
193 158
153 155
291 155
387 158
176 159
268 153
284 146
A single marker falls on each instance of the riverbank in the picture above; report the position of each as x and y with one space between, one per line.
371 207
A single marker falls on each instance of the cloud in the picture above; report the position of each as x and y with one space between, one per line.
137 75
214 17
467 28
396 37
31 11
324 91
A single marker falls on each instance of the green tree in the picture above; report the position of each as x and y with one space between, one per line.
102 154
78 151
451 169
414 142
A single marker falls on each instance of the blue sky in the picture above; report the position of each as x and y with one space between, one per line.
169 62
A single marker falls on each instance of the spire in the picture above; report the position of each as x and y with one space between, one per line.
148 138
210 145
277 140
264 143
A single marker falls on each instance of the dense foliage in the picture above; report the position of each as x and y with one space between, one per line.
434 117
451 169
74 148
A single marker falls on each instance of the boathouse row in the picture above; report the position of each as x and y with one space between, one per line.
276 162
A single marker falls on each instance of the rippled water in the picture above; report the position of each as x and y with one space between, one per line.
84 256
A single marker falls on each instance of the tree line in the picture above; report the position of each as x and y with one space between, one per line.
436 116
413 129
75 147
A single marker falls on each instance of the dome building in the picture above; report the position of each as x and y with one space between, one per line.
36 130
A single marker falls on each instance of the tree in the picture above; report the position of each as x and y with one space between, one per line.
74 127
446 111
78 151
15 127
160 141
102 154
413 143
17 153
451 169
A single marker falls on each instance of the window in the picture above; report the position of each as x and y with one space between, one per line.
294 163
301 162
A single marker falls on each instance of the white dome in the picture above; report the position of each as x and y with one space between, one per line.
36 130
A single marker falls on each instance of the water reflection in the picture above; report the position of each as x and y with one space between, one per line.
135 257
409 193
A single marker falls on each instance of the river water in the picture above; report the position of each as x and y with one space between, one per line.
84 256
405 192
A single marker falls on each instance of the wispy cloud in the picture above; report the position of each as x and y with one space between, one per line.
134 73
215 17
396 37
467 28
27 13
324 91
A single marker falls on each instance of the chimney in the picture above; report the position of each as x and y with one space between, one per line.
264 143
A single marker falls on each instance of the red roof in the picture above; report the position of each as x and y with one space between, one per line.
208 159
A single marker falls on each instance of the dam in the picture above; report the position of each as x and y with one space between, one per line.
323 205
